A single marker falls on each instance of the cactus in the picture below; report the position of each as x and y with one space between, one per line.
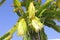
30 24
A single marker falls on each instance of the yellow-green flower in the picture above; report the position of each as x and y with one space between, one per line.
31 10
22 27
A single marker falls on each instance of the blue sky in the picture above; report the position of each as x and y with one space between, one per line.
8 18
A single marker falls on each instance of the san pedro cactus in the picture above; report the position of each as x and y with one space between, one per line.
31 22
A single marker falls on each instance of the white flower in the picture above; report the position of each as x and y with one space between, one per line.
37 25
